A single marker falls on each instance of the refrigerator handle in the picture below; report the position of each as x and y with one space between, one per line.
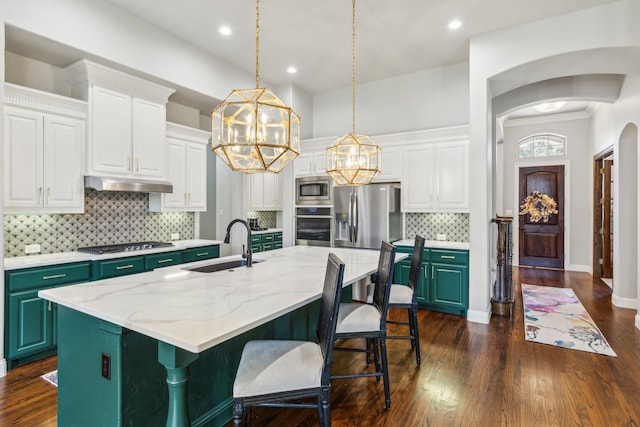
350 225
356 212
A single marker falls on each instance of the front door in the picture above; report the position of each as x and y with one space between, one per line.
541 237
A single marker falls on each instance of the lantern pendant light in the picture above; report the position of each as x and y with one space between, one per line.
252 130
353 159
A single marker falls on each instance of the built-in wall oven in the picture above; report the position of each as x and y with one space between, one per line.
313 190
314 225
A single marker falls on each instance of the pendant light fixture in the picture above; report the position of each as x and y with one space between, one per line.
353 159
252 130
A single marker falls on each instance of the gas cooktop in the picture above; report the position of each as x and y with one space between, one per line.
123 247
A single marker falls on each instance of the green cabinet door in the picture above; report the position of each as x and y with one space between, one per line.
164 259
30 324
449 287
201 253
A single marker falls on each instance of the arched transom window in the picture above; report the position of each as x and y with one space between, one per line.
542 145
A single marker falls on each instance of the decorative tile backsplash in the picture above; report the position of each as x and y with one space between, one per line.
267 218
110 217
454 225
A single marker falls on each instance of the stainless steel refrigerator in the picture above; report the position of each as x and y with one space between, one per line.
366 215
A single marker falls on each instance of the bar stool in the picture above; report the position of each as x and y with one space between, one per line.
276 372
406 297
368 321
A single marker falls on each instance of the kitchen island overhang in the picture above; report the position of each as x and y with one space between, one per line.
188 313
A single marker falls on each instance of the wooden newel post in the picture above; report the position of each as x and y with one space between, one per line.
502 293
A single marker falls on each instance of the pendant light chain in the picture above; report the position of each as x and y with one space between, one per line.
258 43
353 67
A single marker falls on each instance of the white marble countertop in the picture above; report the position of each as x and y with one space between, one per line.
195 311
28 261
435 244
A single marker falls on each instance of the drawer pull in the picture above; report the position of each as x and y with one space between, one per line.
123 267
448 256
202 254
162 261
55 276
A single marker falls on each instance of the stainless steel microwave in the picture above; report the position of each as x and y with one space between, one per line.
313 190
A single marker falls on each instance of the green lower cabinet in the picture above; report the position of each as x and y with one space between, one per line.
110 376
30 321
449 288
117 267
164 259
266 242
444 279
199 254
30 324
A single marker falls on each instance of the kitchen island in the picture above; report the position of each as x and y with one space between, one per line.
120 338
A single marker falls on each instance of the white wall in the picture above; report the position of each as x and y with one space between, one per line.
578 201
613 126
424 100
104 31
603 39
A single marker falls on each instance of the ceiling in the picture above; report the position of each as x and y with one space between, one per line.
392 37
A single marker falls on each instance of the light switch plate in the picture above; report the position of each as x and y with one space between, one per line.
175 236
441 237
32 249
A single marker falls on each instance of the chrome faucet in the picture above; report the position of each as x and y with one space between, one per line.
246 254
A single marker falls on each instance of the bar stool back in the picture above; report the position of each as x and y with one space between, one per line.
277 372
406 297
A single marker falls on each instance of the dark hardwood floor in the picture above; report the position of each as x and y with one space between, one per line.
471 375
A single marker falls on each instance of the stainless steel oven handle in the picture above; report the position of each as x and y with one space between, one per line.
315 216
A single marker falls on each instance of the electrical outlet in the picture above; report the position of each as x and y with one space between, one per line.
175 236
441 237
32 249
106 366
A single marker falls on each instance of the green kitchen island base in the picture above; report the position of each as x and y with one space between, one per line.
111 376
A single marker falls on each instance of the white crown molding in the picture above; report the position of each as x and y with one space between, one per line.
175 130
445 134
24 97
82 72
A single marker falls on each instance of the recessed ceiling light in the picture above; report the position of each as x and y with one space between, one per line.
292 70
547 107
225 31
455 24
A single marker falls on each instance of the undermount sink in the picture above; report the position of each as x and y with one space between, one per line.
225 265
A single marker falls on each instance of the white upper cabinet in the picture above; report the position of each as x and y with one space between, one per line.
186 159
436 177
43 147
452 176
417 183
265 192
311 163
390 165
127 122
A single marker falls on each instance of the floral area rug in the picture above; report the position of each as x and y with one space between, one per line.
555 316
51 377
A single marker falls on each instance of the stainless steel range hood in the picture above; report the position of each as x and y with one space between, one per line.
102 183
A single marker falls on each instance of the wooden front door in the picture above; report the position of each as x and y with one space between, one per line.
542 242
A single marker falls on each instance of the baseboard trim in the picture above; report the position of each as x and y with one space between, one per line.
624 302
479 316
578 267
3 367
